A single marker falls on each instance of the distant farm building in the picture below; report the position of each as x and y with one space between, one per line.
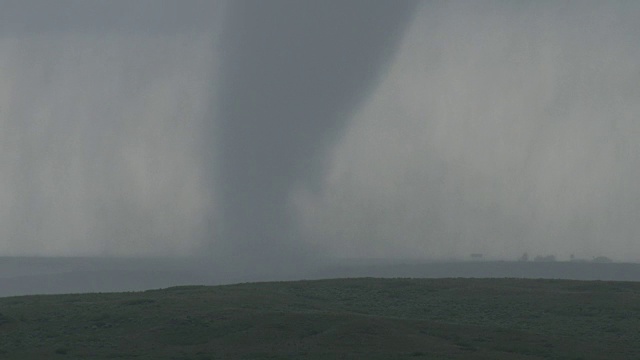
601 259
548 258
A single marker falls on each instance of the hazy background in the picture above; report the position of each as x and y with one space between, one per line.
102 107
488 127
501 128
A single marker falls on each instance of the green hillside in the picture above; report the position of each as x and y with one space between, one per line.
332 319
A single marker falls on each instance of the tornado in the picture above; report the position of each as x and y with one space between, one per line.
292 73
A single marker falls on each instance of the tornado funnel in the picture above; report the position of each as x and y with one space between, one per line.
292 73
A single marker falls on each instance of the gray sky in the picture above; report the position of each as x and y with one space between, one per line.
102 107
149 17
476 126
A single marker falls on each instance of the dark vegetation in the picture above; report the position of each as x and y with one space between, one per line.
332 319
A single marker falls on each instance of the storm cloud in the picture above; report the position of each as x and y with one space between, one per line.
254 133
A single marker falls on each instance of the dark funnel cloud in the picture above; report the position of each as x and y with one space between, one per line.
292 73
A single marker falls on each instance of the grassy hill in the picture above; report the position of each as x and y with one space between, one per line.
332 319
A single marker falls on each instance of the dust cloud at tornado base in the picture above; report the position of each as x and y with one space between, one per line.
493 128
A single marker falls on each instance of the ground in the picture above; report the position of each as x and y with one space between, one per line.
364 318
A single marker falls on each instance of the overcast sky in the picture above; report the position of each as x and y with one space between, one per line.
102 111
490 127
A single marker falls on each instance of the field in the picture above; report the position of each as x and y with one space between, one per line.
364 318
60 275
